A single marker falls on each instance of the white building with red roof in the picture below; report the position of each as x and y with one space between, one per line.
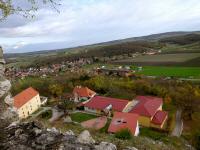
99 104
27 102
122 121
82 93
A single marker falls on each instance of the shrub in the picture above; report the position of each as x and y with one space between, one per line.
46 114
124 134
105 128
196 140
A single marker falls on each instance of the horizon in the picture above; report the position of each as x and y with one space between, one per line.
89 22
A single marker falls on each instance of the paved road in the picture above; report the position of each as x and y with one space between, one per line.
179 124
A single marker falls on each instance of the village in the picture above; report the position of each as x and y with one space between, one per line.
15 72
131 115
99 75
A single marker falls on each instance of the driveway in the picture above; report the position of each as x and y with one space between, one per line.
179 124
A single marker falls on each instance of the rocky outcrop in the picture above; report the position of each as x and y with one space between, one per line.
106 146
67 119
7 112
32 136
85 138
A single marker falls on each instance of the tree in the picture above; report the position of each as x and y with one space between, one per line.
67 105
186 99
196 139
9 7
56 89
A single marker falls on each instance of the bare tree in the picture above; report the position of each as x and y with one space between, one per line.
9 7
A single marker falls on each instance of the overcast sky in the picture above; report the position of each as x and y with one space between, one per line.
82 22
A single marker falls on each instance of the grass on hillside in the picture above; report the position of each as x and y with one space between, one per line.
80 117
148 132
170 48
171 71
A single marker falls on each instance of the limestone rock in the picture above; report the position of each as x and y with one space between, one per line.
54 130
67 119
85 138
130 148
70 132
9 100
9 114
106 146
5 86
30 136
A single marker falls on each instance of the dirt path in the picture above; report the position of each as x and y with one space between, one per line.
179 124
33 116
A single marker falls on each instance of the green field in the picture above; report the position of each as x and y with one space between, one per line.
80 117
171 71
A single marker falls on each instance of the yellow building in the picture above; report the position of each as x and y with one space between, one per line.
27 102
150 111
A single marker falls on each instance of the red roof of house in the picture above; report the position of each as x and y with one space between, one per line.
83 91
23 97
147 105
159 117
123 121
100 102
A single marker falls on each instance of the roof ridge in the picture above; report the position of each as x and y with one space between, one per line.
112 98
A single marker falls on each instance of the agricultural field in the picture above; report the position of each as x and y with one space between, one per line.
186 72
178 59
166 57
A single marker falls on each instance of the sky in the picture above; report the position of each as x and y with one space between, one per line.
82 22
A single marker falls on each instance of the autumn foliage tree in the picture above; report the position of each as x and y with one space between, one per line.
186 99
26 8
56 90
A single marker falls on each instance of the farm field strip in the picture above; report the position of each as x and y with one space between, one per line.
171 71
163 58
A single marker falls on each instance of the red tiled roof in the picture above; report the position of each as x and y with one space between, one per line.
147 105
159 117
100 102
23 97
123 121
83 91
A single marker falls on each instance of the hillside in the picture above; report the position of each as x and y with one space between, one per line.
168 43
181 40
153 37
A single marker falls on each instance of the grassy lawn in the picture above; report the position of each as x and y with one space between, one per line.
155 135
171 71
80 117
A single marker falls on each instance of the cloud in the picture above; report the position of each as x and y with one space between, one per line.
19 45
89 21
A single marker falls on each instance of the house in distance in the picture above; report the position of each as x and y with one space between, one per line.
82 94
